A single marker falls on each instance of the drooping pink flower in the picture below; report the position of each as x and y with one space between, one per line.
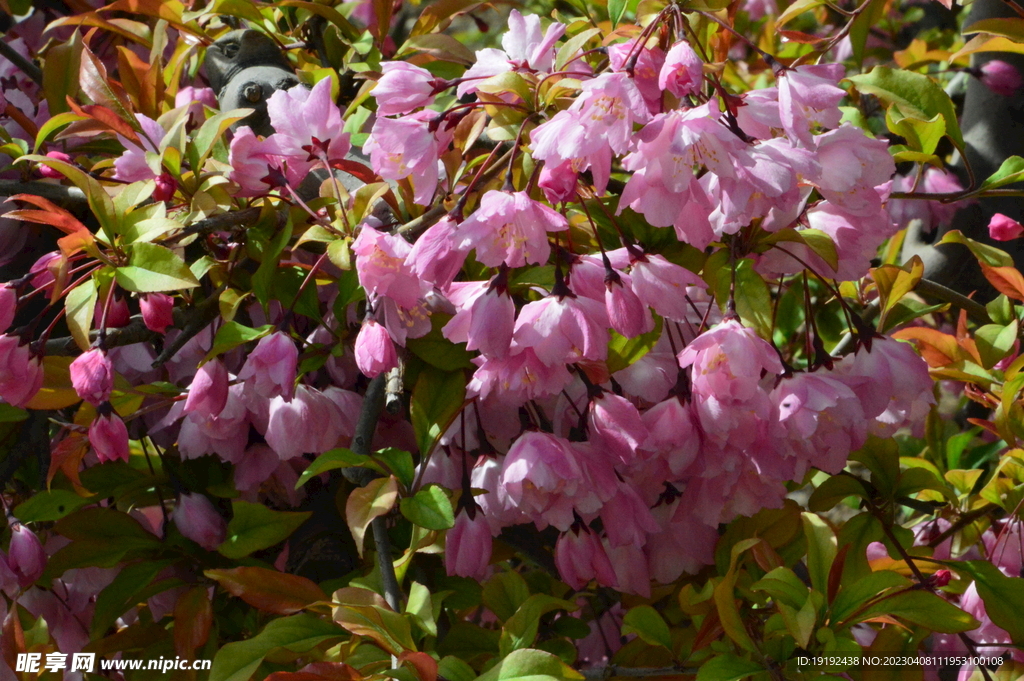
1004 228
92 375
403 88
467 546
615 424
131 166
626 313
21 371
251 160
307 126
542 477
852 165
519 377
580 557
208 393
157 311
728 360
662 285
374 349
525 48
558 182
26 556
435 257
195 98
109 437
309 423
50 173
382 269
683 72
44 269
225 435
809 96
269 370
563 328
485 318
672 433
1001 77
8 306
632 573
407 147
510 228
627 519
197 519
647 62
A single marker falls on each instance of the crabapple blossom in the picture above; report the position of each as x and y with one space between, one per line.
808 96
157 311
208 394
8 306
197 519
683 71
467 545
1001 77
381 265
563 328
403 88
580 557
1003 228
26 556
307 126
408 147
434 257
374 349
92 375
509 228
269 370
131 166
485 317
109 437
525 47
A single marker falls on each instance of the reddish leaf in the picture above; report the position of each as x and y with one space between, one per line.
319 671
13 637
66 456
1006 280
193 616
98 87
424 665
710 631
107 118
357 170
269 590
835 573
73 243
937 348
49 215
800 37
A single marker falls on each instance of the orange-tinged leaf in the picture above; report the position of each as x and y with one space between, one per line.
937 348
13 637
385 627
193 615
50 214
366 503
269 590
1006 280
66 456
106 117
81 240
98 87
423 664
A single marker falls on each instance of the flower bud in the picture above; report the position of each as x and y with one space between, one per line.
21 371
375 352
8 306
157 311
47 171
558 183
1004 228
92 375
43 275
26 556
109 437
1001 78
165 188
941 578
118 314
581 557
467 547
683 71
198 520
209 390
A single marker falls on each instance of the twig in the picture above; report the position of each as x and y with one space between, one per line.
962 522
69 197
975 310
27 67
394 386
216 222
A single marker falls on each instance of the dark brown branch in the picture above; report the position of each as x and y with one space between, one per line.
27 67
69 197
975 310
216 223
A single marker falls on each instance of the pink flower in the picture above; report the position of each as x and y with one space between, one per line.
662 285
615 424
26 556
109 437
208 393
1001 77
525 48
382 269
408 147
21 372
165 187
8 306
627 314
558 182
251 159
195 98
510 228
92 375
728 360
485 317
157 311
226 434
403 88
467 546
627 519
580 557
307 126
1003 228
269 370
673 433
563 329
852 165
45 269
647 63
632 574
809 96
48 172
517 378
131 166
683 72
542 476
197 519
309 423
374 350
434 257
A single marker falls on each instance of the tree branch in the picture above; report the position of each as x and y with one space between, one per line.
975 310
69 197
215 223
27 67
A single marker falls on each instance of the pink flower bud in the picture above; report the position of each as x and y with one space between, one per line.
8 306
1001 78
403 88
198 520
467 546
26 556
683 71
109 437
47 171
41 269
92 374
118 314
270 368
165 188
209 390
628 316
558 182
21 372
1003 228
580 557
374 350
941 578
157 311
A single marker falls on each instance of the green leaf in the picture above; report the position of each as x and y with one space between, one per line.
923 608
882 458
60 73
454 669
860 592
916 94
861 25
238 661
728 668
79 307
624 352
100 202
617 9
529 664
504 593
232 334
420 607
1010 172
1003 596
990 255
255 527
438 351
1008 27
783 586
11 414
753 299
725 598
366 503
520 631
648 624
155 268
573 45
821 550
329 461
121 594
833 491
436 400
797 8
397 462
50 505
921 135
100 537
213 129
430 508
